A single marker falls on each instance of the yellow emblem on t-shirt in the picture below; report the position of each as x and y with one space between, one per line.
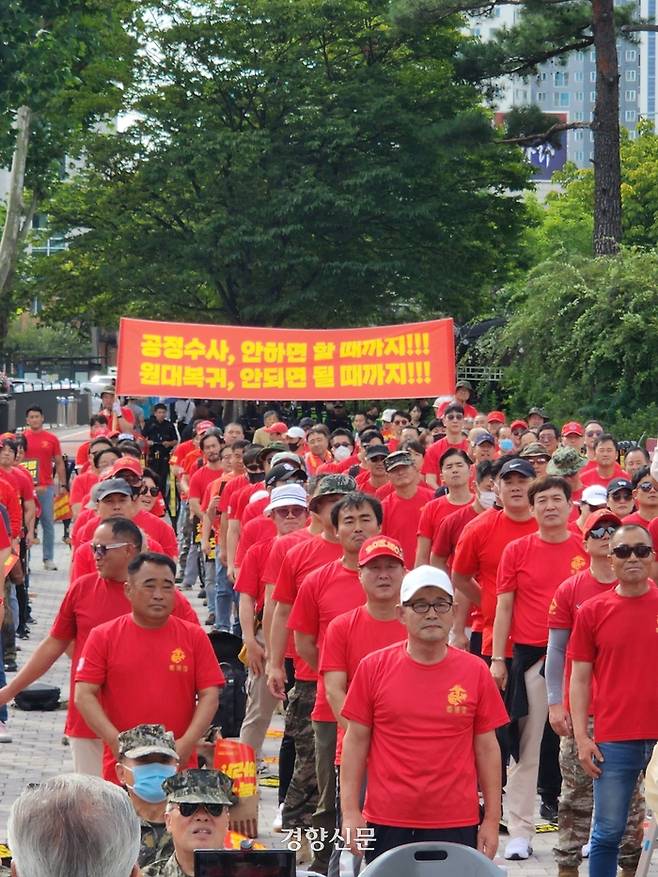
577 563
177 656
457 695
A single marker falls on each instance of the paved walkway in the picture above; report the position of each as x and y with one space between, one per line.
37 751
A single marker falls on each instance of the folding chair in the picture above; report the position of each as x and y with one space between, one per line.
432 859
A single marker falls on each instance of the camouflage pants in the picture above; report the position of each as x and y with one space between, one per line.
302 796
575 813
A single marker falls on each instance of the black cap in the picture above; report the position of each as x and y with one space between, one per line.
619 484
376 450
485 438
517 466
284 472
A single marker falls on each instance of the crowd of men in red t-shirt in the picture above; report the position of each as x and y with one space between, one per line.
453 610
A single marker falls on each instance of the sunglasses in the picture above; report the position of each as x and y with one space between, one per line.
620 495
295 510
538 460
593 433
453 416
623 552
101 550
187 808
600 532
153 491
401 422
646 486
422 607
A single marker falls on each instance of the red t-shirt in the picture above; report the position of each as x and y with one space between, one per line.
450 529
385 490
230 493
4 535
254 509
562 612
401 517
390 694
250 577
653 530
201 479
257 530
434 453
82 454
436 511
21 482
9 499
83 562
90 601
297 564
81 486
42 447
478 554
180 452
591 475
280 548
636 518
242 498
365 485
350 637
619 637
325 593
532 569
148 674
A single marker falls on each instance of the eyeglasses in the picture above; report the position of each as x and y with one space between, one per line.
286 511
401 422
453 416
646 486
101 550
341 445
594 433
187 808
623 552
600 532
154 491
422 607
518 431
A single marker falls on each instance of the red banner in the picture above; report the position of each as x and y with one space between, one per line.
241 362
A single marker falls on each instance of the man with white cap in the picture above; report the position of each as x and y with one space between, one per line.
288 509
424 765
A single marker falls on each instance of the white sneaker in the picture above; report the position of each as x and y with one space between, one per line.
5 736
585 850
50 565
518 848
277 823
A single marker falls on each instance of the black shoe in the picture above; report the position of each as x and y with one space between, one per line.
11 666
548 811
23 633
179 578
201 594
30 620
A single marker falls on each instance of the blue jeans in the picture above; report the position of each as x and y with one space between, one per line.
46 497
225 598
623 762
10 591
4 715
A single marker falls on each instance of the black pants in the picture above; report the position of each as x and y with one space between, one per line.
475 645
387 837
549 779
287 750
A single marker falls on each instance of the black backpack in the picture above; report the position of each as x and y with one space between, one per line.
38 696
233 695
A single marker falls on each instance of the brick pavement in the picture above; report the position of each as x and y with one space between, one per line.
37 751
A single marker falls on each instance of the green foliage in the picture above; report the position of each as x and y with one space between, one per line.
581 338
295 162
35 340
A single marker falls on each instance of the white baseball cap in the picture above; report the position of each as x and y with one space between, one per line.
296 432
290 493
387 414
595 494
424 576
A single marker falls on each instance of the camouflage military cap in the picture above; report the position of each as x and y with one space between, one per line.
147 740
565 461
196 786
534 449
330 485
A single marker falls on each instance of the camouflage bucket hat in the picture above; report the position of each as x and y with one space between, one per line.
332 485
196 786
565 461
534 449
147 740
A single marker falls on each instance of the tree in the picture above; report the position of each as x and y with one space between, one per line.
298 163
549 29
580 339
65 64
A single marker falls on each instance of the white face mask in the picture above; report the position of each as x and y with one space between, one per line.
342 452
486 498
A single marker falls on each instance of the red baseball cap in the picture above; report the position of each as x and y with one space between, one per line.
203 425
518 424
598 517
123 464
279 428
495 417
380 546
573 428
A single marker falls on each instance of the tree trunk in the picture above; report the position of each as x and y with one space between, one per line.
14 220
605 125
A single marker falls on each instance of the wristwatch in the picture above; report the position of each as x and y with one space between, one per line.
499 659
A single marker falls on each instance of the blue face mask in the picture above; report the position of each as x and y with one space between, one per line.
506 445
149 779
